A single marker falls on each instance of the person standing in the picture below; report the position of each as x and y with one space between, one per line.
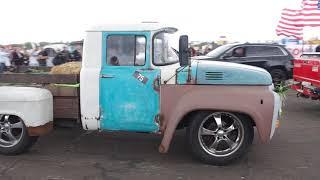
76 55
42 58
59 58
33 60
16 57
4 59
65 54
25 56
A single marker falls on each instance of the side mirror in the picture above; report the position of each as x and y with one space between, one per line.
184 51
227 55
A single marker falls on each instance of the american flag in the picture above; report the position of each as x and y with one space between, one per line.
289 24
310 13
293 20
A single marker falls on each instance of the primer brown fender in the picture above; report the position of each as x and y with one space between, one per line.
178 100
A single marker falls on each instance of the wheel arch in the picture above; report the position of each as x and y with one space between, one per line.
278 67
14 113
187 118
20 115
281 67
32 130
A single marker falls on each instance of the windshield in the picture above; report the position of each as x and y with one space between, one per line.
163 54
219 50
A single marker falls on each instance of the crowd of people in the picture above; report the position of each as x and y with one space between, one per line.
11 57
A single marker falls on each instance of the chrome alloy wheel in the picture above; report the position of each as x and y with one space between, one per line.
221 134
11 130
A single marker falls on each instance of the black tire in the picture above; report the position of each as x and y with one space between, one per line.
23 145
20 148
200 152
278 75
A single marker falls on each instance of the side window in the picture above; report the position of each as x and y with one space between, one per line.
274 51
260 51
254 51
237 52
163 54
126 50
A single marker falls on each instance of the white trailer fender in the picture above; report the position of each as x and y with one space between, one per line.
33 105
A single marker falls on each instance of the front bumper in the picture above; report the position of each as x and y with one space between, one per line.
276 113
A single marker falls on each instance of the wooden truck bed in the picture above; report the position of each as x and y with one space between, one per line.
66 100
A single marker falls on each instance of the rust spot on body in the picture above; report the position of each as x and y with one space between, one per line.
162 149
40 130
162 123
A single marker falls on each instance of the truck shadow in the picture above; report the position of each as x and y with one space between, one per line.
117 146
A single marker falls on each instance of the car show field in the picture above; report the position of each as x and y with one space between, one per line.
69 153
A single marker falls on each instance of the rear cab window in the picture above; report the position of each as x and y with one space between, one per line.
126 50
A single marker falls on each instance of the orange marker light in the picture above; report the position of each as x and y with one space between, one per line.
277 123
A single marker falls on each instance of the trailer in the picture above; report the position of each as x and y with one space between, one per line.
63 87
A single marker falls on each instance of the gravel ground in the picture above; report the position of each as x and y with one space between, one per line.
73 154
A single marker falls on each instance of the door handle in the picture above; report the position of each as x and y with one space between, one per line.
144 69
106 76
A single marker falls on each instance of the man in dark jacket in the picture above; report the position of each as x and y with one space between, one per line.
59 58
42 58
16 57
76 55
65 54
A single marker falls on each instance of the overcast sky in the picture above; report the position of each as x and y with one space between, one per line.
66 20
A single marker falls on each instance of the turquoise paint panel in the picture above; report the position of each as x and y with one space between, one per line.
182 75
128 104
224 73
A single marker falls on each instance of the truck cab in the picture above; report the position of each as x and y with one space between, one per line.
123 77
132 80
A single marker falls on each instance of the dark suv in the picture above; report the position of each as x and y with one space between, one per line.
276 59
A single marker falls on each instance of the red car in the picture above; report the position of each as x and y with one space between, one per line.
306 76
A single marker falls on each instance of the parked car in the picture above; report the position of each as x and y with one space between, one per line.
276 59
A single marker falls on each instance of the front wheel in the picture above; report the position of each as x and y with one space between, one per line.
14 138
219 138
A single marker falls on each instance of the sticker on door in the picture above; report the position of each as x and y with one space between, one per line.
140 77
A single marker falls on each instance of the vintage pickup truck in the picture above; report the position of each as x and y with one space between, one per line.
132 80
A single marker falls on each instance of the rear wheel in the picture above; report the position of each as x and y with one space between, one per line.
14 138
278 75
219 138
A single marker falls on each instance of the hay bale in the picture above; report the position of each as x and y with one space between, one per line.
67 68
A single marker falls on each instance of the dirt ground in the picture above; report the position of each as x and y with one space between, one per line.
73 154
